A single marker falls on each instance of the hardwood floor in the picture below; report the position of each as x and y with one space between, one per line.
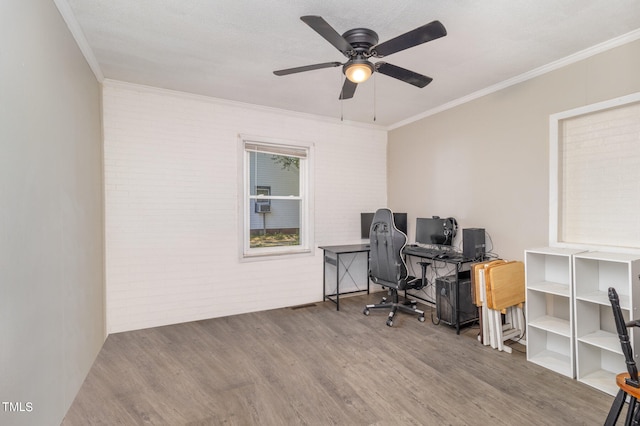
313 365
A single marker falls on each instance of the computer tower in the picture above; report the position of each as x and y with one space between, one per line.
473 244
446 296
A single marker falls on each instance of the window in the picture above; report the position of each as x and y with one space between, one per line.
595 179
276 206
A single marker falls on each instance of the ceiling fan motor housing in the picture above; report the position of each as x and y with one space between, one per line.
361 39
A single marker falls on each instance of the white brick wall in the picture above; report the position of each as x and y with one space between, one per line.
171 218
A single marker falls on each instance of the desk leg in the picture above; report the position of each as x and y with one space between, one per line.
457 298
337 281
367 273
324 275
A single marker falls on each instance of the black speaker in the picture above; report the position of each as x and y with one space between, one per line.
446 296
473 245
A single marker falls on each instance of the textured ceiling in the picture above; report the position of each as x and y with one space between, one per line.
229 49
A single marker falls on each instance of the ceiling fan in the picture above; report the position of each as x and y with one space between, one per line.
360 44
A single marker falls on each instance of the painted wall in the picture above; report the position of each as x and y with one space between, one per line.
171 202
51 215
486 162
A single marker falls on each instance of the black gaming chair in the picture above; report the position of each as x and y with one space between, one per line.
387 266
628 383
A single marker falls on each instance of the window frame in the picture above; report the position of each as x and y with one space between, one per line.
555 171
306 231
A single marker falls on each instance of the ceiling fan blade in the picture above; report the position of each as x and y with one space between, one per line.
348 89
307 68
403 74
321 26
423 34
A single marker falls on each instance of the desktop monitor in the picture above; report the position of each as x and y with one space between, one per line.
433 230
400 219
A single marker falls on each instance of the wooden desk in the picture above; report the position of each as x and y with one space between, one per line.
333 256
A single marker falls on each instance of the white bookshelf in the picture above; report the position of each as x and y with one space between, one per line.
599 356
549 307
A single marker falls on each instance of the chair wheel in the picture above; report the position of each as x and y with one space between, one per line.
421 318
366 311
390 323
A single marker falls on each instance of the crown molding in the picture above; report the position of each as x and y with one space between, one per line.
236 104
576 57
78 35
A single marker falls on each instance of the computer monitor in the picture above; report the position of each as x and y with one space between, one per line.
400 219
365 224
433 230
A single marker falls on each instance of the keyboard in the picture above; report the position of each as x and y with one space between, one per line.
424 251
430 252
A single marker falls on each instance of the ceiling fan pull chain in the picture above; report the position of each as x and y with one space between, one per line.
341 97
374 97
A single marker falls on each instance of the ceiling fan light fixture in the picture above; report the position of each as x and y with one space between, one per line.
358 71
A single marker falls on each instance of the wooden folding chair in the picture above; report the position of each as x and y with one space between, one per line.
505 295
479 296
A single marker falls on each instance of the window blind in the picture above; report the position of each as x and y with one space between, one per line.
599 177
276 149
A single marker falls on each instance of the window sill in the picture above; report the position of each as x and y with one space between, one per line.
275 255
